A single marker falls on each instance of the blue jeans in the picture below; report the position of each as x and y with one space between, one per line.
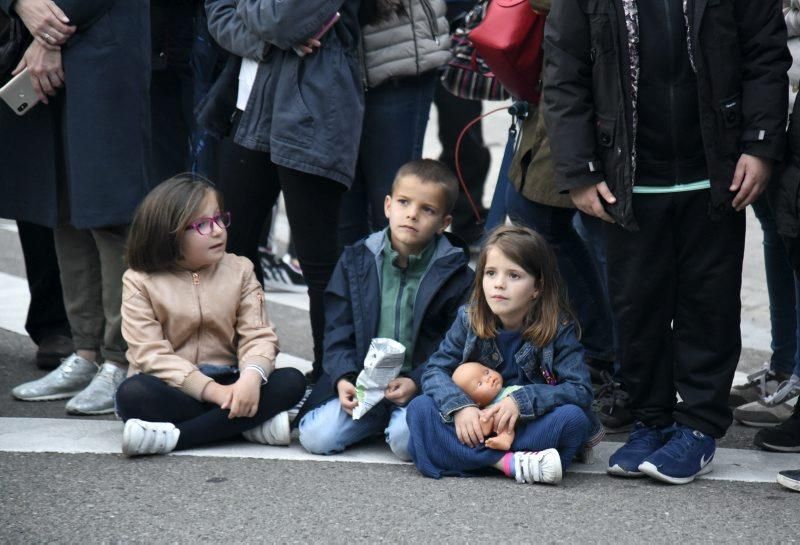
395 118
783 289
328 429
587 296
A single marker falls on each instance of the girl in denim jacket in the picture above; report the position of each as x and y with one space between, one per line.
517 323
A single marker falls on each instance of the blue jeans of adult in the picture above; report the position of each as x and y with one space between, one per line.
783 289
328 429
395 117
587 296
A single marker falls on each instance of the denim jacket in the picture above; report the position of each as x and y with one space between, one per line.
551 376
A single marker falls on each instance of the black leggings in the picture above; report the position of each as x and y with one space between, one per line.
147 398
250 183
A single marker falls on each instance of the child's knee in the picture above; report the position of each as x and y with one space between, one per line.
133 392
318 435
397 437
421 405
574 418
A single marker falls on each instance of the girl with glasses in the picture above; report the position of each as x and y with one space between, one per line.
201 349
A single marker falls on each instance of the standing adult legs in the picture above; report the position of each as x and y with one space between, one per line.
312 208
395 117
46 322
707 338
642 283
581 277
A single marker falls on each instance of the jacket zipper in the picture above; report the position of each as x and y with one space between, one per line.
195 283
397 308
431 16
260 297
671 112
414 35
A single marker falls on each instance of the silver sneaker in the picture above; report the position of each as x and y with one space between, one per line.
65 381
98 397
759 415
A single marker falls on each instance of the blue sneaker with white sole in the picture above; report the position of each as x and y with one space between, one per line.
642 442
687 454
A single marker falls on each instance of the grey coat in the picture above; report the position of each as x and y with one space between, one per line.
407 44
306 112
101 132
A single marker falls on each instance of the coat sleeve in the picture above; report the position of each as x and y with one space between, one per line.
85 12
437 380
567 96
258 343
340 333
573 387
148 350
765 84
285 23
229 31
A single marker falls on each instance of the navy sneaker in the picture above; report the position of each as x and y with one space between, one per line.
687 454
642 442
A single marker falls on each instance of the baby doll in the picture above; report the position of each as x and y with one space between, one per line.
485 387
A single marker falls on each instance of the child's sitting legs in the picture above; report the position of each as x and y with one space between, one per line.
328 429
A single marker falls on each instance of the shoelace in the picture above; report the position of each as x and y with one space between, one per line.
679 449
786 391
610 394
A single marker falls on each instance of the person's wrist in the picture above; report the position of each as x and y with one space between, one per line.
256 372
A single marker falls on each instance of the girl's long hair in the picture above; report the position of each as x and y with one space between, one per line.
533 254
154 243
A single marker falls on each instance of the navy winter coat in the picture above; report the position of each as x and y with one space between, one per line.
306 112
352 309
104 142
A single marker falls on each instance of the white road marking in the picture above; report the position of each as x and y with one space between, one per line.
78 436
14 301
8 225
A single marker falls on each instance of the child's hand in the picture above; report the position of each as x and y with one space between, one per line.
505 415
217 394
244 396
468 426
401 390
347 395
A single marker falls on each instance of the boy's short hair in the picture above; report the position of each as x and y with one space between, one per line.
432 171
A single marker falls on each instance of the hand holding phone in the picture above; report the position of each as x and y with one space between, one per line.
19 93
314 42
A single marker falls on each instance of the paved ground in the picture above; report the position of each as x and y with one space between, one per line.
65 481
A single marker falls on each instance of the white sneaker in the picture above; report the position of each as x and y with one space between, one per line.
274 431
98 397
140 437
538 467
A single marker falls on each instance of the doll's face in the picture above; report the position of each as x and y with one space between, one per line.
479 382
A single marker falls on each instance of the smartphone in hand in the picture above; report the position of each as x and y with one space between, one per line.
19 94
320 33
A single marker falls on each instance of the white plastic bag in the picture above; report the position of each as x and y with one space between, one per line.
381 366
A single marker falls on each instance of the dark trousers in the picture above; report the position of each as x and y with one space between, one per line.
147 398
454 114
46 314
250 185
675 288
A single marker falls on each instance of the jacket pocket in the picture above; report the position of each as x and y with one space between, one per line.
602 40
604 131
730 121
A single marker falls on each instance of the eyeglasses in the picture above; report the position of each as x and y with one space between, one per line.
204 226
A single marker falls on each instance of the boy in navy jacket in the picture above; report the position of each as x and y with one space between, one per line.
406 283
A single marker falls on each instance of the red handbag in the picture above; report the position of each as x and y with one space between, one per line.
510 41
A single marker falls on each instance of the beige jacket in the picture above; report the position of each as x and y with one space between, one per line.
173 321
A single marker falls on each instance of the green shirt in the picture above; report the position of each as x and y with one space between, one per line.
504 393
398 292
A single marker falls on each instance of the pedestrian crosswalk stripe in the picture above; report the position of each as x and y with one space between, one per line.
85 436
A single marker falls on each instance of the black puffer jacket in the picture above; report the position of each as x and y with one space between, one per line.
591 83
